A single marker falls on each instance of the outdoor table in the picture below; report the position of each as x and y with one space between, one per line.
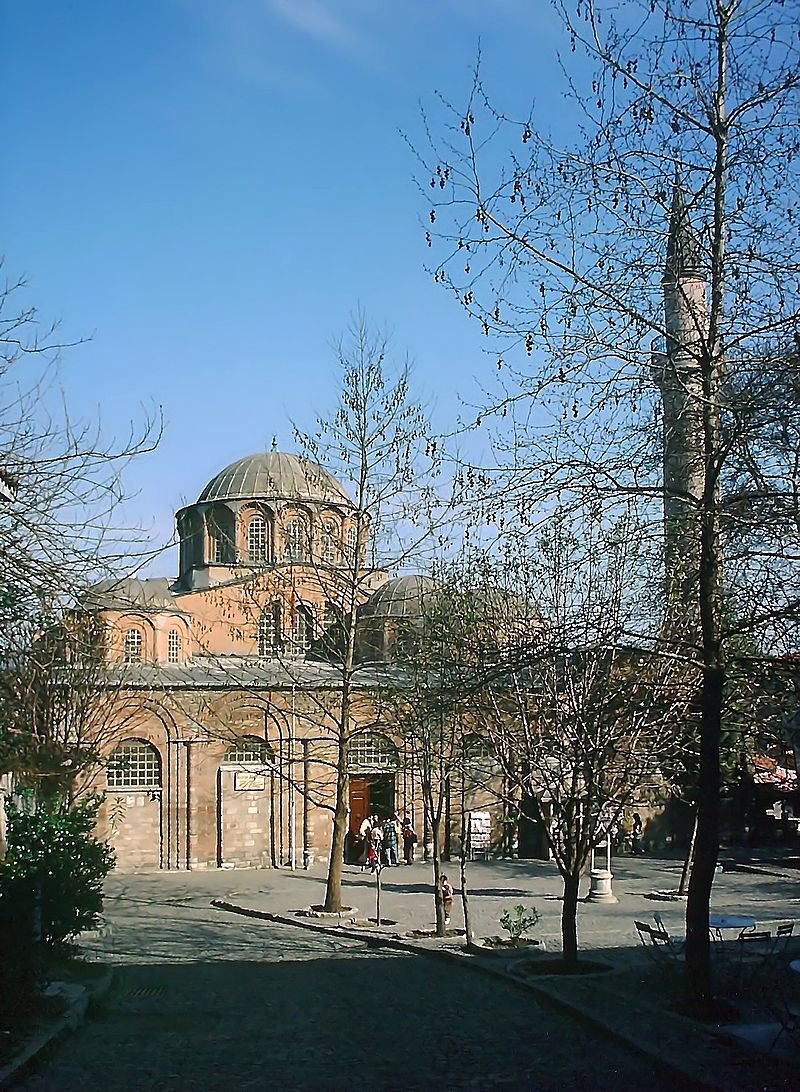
795 966
730 921
720 923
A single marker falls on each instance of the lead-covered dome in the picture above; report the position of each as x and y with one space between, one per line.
275 475
401 598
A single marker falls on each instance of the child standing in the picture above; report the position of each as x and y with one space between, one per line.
447 899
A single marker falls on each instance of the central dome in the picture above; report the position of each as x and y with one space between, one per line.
275 475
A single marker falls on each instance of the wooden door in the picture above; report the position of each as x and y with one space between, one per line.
359 802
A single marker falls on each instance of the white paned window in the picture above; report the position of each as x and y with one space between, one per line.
132 651
351 539
174 647
330 545
250 751
296 540
302 629
134 765
372 751
269 631
257 539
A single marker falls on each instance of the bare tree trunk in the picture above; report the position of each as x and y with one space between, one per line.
436 824
569 919
698 947
689 861
333 886
464 850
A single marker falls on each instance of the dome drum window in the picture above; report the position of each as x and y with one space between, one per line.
295 540
330 545
257 540
134 765
370 751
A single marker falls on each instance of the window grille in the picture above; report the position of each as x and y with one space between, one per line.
302 629
250 750
296 540
133 646
269 631
257 539
174 647
372 751
330 550
134 765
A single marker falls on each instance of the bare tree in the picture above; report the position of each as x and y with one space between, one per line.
303 605
581 721
62 705
560 255
60 505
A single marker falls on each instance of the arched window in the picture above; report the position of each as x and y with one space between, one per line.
257 539
132 652
330 544
134 765
479 758
372 751
351 539
250 751
222 529
296 540
302 629
269 631
174 647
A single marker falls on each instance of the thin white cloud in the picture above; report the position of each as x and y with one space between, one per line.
320 19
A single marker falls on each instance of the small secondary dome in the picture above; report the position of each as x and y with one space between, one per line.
275 475
402 597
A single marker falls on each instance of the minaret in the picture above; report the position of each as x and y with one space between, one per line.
679 377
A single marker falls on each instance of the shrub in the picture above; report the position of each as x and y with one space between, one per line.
53 858
520 922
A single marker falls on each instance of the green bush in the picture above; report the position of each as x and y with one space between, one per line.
520 922
53 860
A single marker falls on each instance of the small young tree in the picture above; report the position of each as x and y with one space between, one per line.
425 698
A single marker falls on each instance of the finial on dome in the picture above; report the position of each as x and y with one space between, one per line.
683 249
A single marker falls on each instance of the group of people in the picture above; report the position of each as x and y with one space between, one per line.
622 838
379 841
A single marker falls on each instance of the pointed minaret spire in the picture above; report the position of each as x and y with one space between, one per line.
683 248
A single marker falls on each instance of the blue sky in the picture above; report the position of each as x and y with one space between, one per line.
208 189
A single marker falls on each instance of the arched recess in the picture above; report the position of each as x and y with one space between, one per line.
153 829
134 783
221 524
246 797
372 767
256 534
137 638
296 526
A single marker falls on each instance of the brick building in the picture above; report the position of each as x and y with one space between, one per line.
227 757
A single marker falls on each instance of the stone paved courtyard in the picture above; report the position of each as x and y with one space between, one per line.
206 999
203 999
